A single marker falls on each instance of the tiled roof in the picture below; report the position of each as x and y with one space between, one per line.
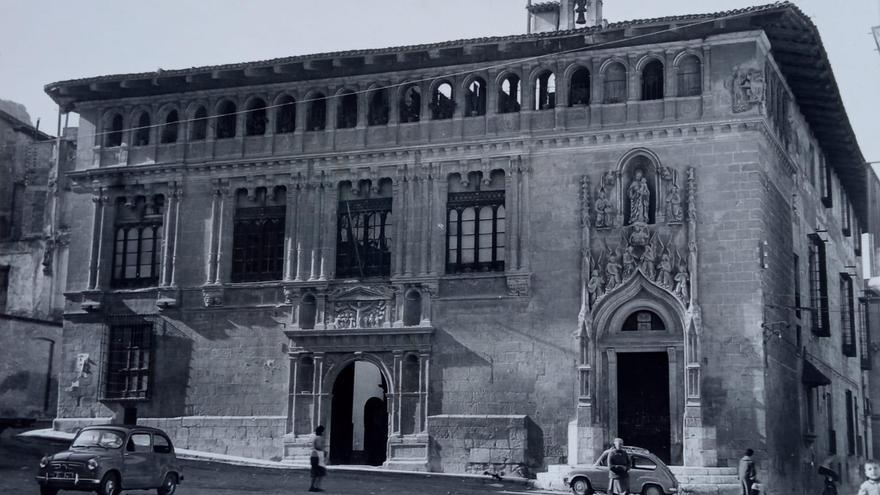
543 7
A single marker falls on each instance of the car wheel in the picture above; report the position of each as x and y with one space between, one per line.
45 490
169 485
109 485
652 490
580 486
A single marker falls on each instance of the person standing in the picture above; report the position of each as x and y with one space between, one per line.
747 473
619 464
317 459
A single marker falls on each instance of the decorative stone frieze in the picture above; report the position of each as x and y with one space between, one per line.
212 295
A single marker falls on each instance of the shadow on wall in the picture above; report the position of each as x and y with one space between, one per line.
449 353
174 350
534 444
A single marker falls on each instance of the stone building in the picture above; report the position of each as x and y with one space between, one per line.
500 252
32 242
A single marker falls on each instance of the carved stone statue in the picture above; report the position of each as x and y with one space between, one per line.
595 287
681 282
747 89
648 260
639 198
674 211
604 210
664 269
629 262
639 235
612 271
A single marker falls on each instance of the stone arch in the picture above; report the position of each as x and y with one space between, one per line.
637 293
332 371
688 70
442 105
649 163
475 92
141 123
509 101
574 92
112 128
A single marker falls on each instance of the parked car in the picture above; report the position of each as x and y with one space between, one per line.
648 475
110 458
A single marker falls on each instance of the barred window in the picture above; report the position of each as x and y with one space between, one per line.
847 315
818 287
138 241
825 176
797 285
363 242
475 234
865 333
690 76
258 235
129 361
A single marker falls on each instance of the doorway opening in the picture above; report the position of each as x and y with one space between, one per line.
359 416
643 401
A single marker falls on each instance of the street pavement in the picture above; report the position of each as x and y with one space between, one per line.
20 457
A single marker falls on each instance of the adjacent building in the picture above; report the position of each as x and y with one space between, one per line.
499 252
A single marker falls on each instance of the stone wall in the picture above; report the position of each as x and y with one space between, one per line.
477 443
30 352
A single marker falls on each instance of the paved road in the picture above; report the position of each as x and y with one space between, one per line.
19 460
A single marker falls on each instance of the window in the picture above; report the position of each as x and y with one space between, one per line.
475 98
363 242
38 212
142 131
845 218
850 424
639 462
169 128
810 406
615 83
412 308
825 177
113 136
832 433
316 117
227 120
255 120
818 287
652 81
161 444
475 234
811 166
199 130
347 110
545 91
377 113
847 315
796 274
138 237
864 333
509 95
442 104
129 361
258 234
410 104
285 115
579 89
690 76
139 442
4 287
644 321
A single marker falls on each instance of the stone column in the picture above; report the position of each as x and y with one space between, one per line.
522 220
317 389
398 208
597 92
437 236
212 239
612 393
633 94
98 226
303 212
511 211
398 375
426 219
178 194
410 224
708 96
290 234
224 240
291 393
330 218
320 233
424 387
168 224
669 86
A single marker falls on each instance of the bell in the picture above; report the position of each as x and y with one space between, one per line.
580 10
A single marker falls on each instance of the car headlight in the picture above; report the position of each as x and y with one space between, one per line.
44 462
93 464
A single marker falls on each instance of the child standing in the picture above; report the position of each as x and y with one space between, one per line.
871 486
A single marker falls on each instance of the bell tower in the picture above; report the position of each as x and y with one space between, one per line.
576 14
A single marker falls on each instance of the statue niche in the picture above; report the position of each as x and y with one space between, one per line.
640 194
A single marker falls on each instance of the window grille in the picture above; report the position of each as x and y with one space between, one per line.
129 361
847 315
818 288
258 243
476 233
137 244
363 242
865 333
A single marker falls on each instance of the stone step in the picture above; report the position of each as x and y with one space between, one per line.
705 479
692 470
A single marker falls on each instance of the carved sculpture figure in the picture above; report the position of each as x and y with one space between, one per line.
639 235
674 211
664 269
648 260
681 282
604 210
747 89
595 287
629 262
612 271
639 198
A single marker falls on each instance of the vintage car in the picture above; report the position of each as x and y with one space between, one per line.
648 475
110 458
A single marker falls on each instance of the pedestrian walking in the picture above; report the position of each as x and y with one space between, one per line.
747 473
619 464
318 460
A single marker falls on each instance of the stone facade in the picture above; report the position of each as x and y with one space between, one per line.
646 268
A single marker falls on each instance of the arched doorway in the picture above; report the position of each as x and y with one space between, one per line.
359 415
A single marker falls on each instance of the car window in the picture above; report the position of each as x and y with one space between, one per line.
139 442
107 439
161 445
640 462
603 459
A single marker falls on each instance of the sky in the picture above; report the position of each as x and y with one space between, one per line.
52 40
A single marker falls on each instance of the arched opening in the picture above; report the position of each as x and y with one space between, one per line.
359 415
475 98
652 81
442 104
377 113
114 135
285 115
614 85
316 117
308 310
643 321
545 91
347 110
255 121
579 88
509 94
690 76
412 308
170 128
142 130
410 104
199 129
227 120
